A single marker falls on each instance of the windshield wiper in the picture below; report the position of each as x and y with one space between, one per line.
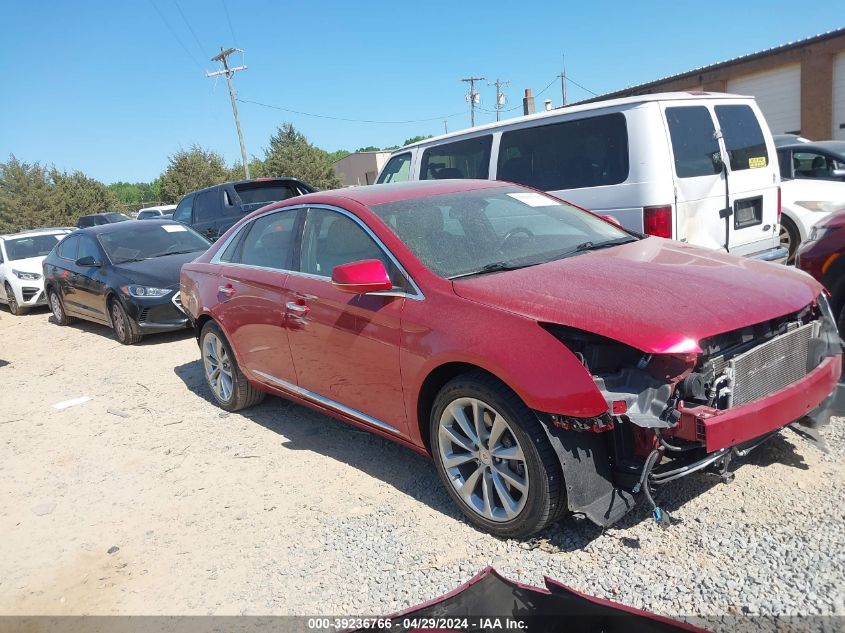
594 246
129 261
494 267
190 250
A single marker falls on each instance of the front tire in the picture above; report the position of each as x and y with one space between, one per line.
789 237
59 315
126 331
14 307
230 388
494 457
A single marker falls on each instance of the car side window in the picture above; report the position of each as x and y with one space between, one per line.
68 247
269 242
88 248
398 169
183 210
331 239
812 165
205 207
469 158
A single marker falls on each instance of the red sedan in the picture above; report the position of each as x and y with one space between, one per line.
821 256
548 360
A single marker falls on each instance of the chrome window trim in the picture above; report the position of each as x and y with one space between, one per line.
417 295
332 404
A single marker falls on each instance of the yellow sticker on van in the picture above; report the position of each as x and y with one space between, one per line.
757 161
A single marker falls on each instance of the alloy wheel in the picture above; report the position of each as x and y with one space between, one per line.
483 459
56 306
118 321
13 302
785 238
218 367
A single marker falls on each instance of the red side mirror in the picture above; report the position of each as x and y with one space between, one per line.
367 275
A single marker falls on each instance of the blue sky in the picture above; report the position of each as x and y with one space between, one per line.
106 87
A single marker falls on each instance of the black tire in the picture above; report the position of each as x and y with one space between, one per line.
241 394
546 495
12 301
126 331
58 307
794 237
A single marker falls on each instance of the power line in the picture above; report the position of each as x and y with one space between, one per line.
176 37
229 20
338 118
575 83
190 28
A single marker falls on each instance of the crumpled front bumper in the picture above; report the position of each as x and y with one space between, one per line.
814 397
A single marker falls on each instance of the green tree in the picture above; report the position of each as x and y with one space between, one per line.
368 148
416 139
337 155
189 170
76 194
290 154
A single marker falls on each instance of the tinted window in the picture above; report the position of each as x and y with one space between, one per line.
183 210
87 220
743 137
813 165
115 217
255 195
783 161
398 169
33 246
584 153
500 225
693 141
146 240
463 159
205 207
332 239
88 248
269 242
143 215
67 247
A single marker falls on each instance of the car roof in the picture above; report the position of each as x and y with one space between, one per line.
371 195
32 232
113 227
828 146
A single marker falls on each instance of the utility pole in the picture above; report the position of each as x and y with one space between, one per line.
473 97
222 58
500 96
445 127
563 78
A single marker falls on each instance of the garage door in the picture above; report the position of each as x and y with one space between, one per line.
838 127
778 93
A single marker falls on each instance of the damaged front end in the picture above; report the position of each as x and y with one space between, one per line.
697 407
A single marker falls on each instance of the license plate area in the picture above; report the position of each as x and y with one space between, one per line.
748 212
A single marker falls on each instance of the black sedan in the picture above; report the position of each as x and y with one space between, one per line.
124 275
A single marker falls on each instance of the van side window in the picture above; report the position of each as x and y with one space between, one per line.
588 152
205 207
469 158
693 141
398 169
183 210
743 137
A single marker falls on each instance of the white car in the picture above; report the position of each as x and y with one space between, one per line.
804 202
164 211
21 276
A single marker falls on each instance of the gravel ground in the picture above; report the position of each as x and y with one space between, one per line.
147 499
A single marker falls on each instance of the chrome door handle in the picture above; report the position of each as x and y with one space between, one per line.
227 290
296 307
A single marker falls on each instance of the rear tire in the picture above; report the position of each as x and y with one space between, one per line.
14 307
789 237
503 473
59 315
126 331
231 390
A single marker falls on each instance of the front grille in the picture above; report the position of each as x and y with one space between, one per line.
177 301
143 314
771 366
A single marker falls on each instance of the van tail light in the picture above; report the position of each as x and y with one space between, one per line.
780 208
658 221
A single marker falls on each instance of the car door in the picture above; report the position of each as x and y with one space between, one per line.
91 282
207 213
65 276
345 347
252 295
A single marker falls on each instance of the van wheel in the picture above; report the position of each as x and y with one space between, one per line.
790 238
494 457
231 389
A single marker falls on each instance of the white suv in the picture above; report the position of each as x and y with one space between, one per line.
21 276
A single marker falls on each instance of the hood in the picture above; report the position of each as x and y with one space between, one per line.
28 265
813 190
656 295
158 272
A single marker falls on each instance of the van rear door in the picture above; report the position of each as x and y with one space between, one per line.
703 134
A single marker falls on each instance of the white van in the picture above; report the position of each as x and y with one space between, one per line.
696 167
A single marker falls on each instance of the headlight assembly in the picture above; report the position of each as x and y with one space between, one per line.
27 276
141 292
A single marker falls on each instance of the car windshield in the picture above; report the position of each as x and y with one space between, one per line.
143 240
260 193
32 246
116 217
492 229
